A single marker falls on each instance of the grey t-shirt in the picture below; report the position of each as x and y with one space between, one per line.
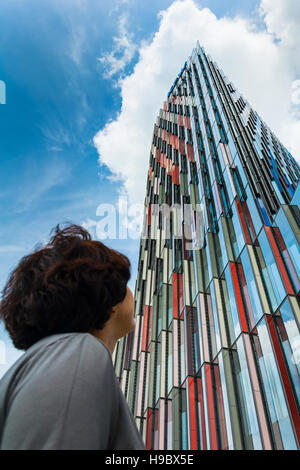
63 394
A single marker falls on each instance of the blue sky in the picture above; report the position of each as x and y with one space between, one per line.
56 101
59 96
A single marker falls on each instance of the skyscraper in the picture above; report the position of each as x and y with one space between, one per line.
214 359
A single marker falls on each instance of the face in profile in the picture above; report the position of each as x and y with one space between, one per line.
123 315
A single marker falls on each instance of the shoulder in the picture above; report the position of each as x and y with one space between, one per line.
59 359
70 346
82 353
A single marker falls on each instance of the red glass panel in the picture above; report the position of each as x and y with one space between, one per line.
279 261
175 174
211 408
145 328
243 222
285 377
192 405
246 294
249 219
180 282
192 153
149 326
175 308
148 432
189 341
238 297
181 147
287 257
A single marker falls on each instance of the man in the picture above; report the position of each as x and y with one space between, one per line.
66 305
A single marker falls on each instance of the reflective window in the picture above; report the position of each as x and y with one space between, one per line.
289 239
273 389
252 288
251 427
231 306
184 434
222 258
270 273
170 363
289 335
206 409
231 144
215 316
226 402
238 164
237 228
228 187
208 265
256 219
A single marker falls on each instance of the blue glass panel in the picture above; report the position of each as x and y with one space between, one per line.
228 187
215 132
218 118
291 346
223 194
264 212
215 315
271 273
237 228
231 305
239 165
208 262
289 239
253 426
296 197
211 170
238 186
231 144
273 389
251 284
255 215
223 253
184 430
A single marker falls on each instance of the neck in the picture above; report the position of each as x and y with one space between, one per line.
106 338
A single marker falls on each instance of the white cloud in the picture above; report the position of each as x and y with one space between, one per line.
263 70
122 53
90 226
77 43
282 18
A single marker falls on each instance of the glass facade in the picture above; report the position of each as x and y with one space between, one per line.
214 360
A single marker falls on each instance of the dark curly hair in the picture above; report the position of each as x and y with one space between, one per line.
68 285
